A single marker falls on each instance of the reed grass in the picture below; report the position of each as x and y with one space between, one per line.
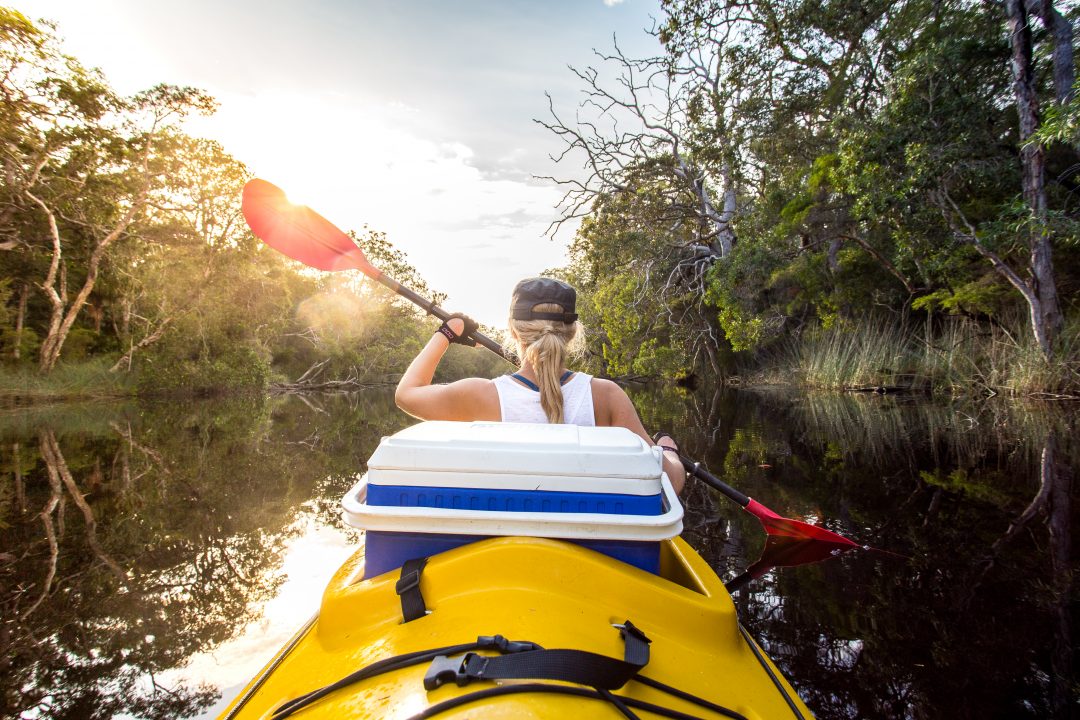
88 379
961 356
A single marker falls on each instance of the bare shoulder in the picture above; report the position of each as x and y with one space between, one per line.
606 388
473 384
475 399
611 404
473 388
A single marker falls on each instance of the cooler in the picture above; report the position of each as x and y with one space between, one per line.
438 485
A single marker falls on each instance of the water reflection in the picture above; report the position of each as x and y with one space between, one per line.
138 537
971 625
153 556
786 552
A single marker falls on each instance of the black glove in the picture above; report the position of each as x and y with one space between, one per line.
465 338
659 437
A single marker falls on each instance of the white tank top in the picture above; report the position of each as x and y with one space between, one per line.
518 403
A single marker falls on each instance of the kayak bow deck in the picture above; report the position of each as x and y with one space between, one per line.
554 585
549 592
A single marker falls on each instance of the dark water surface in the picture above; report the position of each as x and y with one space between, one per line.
153 557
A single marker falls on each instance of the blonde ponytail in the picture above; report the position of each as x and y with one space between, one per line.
545 345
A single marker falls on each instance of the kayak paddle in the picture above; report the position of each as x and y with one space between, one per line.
304 235
774 524
786 552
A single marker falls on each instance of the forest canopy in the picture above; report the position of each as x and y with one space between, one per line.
122 245
849 190
833 192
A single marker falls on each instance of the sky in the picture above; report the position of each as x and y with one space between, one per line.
415 117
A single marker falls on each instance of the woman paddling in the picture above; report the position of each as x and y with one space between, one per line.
543 326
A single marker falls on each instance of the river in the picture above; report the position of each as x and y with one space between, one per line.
154 555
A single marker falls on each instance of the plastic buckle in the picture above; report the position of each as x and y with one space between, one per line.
629 628
505 646
443 669
407 582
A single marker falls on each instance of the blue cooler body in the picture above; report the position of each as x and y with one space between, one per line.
599 487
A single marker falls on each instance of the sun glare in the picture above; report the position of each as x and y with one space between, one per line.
367 162
339 315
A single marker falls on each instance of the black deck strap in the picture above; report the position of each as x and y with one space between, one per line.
637 644
408 589
576 666
772 676
398 662
549 688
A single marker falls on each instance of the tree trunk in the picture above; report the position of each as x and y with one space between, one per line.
727 233
1045 312
1061 31
833 256
63 315
20 321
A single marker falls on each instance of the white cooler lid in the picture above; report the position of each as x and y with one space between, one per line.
515 454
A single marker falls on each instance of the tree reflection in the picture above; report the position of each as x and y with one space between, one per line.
147 534
871 635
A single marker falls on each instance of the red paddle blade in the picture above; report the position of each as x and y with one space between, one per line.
783 551
785 527
300 232
787 552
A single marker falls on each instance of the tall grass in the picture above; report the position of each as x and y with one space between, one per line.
869 354
960 356
86 379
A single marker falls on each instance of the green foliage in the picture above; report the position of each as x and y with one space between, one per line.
79 343
1060 123
183 295
639 321
986 295
871 142
170 370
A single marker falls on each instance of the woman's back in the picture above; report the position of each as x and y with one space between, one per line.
521 403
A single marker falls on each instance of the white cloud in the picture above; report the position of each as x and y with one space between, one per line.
613 3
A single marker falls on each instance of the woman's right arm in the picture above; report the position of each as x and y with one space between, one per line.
465 399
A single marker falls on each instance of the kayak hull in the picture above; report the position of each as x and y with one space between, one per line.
553 593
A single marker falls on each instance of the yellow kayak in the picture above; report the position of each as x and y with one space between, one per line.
546 596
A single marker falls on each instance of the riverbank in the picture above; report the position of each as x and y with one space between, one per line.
961 357
88 380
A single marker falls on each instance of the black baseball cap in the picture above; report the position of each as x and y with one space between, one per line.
537 291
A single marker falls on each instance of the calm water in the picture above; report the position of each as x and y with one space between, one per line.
153 557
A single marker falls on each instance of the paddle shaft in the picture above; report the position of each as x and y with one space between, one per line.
695 469
431 308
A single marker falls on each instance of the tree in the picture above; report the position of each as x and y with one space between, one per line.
125 165
80 165
1039 289
871 155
